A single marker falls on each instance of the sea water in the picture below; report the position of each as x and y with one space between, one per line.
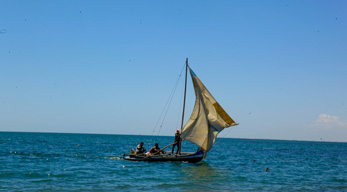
92 162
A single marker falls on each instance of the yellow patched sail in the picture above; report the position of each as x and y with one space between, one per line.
207 120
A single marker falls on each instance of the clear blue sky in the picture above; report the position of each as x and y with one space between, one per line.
279 68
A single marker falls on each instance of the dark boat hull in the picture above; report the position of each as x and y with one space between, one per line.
190 157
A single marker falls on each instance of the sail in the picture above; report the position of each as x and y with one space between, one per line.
207 120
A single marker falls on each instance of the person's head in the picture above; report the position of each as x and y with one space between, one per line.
177 131
141 143
156 144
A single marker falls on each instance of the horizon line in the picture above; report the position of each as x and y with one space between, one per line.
171 136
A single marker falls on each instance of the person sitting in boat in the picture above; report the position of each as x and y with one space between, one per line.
177 142
140 149
156 150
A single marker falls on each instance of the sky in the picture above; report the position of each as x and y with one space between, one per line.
278 68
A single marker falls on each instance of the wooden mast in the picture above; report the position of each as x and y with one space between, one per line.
185 90
184 105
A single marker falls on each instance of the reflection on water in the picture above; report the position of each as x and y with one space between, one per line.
201 172
203 177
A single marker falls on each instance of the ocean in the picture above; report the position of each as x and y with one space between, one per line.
92 162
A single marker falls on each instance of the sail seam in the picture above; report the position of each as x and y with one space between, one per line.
214 128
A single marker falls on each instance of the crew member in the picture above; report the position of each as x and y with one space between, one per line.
177 142
140 149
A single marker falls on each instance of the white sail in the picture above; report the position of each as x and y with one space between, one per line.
207 120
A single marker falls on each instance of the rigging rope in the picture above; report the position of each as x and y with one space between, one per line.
167 105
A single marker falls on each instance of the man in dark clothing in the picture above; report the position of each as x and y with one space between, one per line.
177 142
156 150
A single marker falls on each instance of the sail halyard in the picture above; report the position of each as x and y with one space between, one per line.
208 118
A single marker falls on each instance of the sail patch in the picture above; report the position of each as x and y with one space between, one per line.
220 111
192 72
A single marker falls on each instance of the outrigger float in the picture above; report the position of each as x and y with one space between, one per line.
207 120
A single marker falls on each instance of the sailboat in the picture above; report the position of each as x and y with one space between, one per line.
207 120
